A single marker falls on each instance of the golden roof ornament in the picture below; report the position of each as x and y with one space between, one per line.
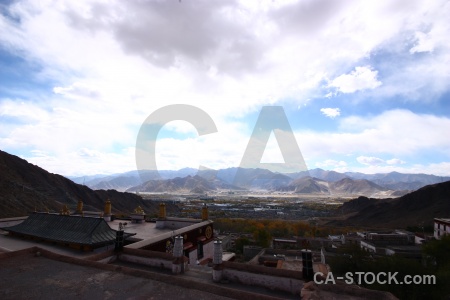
65 210
139 210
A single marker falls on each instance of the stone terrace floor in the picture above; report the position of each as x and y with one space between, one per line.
42 278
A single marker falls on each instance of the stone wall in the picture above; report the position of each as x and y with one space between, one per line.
271 278
291 285
101 256
148 258
263 270
147 261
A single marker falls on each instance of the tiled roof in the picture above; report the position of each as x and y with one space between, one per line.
67 229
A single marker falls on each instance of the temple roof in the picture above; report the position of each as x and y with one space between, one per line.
67 229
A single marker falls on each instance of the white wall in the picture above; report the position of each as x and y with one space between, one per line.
208 251
368 247
441 230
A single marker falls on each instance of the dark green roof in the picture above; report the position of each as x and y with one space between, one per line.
67 229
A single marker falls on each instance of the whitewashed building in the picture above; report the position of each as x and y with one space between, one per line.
441 227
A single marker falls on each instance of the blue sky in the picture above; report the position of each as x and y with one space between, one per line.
365 85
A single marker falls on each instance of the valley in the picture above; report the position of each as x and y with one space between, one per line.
254 205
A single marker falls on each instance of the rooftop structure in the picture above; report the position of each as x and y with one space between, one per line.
78 232
75 230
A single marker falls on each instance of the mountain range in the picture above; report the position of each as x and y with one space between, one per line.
25 187
315 181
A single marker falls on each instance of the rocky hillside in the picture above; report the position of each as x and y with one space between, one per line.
25 187
356 187
189 184
307 185
342 187
416 208
253 178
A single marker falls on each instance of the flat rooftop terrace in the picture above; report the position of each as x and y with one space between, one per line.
144 230
29 277
35 273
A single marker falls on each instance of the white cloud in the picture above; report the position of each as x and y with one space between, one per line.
234 52
39 153
113 63
394 133
85 152
424 43
362 78
331 112
395 161
77 89
371 161
78 163
27 112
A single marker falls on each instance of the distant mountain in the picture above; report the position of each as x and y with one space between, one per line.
83 179
416 208
25 187
253 178
246 178
392 184
189 184
400 181
330 176
123 181
356 187
307 185
343 187
260 179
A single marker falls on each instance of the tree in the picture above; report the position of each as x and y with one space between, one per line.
262 237
438 253
240 243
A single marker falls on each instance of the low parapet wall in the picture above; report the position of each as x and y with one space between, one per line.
274 279
291 285
263 270
101 256
148 253
5 255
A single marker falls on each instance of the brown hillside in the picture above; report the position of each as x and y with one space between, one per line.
416 208
25 187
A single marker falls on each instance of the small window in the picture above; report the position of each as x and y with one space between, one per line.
199 250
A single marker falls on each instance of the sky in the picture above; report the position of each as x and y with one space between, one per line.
365 85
